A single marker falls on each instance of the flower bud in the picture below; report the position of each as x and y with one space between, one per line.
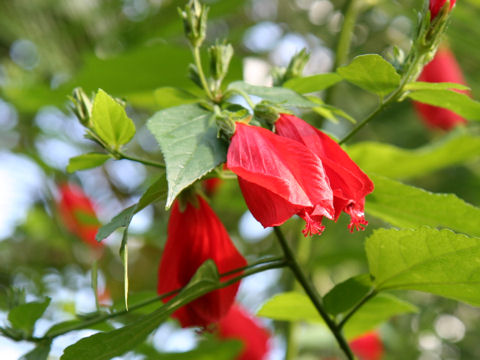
82 106
194 18
268 112
293 70
220 57
443 6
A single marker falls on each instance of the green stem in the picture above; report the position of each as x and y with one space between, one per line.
272 264
201 74
362 302
342 49
409 75
120 156
351 10
312 292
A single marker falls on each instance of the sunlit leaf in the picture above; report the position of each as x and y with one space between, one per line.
409 207
110 120
372 73
435 261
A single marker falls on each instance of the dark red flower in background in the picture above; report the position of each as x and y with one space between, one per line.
436 5
279 178
368 346
78 213
195 234
443 68
348 182
211 185
238 324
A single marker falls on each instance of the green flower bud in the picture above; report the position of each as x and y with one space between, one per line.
194 18
82 106
220 57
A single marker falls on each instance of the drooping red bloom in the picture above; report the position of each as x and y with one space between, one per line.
279 178
348 182
238 324
368 346
436 5
196 234
443 68
78 213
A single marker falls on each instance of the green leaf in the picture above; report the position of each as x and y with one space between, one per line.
347 294
292 306
155 192
435 261
189 143
459 103
169 96
69 324
110 121
40 352
105 346
309 84
207 350
422 85
120 220
372 73
86 161
409 207
378 158
277 95
375 312
25 316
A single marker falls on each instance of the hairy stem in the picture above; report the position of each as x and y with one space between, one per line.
312 293
201 74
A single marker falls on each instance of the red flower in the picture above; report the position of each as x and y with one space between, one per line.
195 234
78 214
279 178
348 182
368 346
436 5
238 324
443 68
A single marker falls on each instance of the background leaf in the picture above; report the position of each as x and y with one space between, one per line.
155 192
169 96
408 206
189 143
86 161
374 157
435 261
422 85
372 73
309 84
277 95
459 103
293 306
25 316
110 120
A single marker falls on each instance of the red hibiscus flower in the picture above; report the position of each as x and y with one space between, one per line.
348 182
238 324
279 178
78 214
195 234
436 5
443 68
368 346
